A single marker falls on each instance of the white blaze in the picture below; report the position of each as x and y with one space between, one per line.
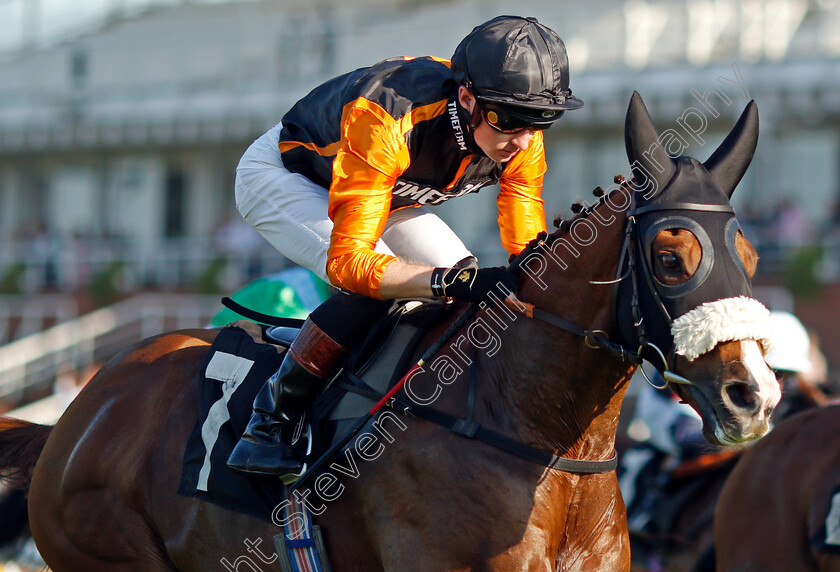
769 388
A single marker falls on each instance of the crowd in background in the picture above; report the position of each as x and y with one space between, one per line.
37 260
782 231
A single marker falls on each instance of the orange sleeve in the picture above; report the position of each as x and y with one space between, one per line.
371 155
521 213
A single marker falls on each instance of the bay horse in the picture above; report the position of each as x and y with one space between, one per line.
681 505
773 510
103 480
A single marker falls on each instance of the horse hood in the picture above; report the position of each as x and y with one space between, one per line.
683 193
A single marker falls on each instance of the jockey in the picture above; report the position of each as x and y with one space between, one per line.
343 184
797 363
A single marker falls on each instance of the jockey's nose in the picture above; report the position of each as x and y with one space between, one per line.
521 140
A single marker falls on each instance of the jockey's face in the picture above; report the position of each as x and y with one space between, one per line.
498 146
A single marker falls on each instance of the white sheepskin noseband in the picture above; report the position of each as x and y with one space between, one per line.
730 319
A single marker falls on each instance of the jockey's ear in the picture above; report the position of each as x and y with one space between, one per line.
466 99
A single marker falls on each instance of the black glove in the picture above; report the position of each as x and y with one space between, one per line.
473 284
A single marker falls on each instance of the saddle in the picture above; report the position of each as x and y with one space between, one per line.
245 354
368 372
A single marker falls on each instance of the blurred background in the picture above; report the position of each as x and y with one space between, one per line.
122 121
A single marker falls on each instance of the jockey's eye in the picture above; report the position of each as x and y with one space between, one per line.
669 260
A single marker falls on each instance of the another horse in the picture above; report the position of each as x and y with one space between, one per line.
103 491
680 536
779 510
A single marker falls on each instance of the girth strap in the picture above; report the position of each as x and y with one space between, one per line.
475 431
468 428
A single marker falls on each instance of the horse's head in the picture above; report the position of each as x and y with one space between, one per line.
689 302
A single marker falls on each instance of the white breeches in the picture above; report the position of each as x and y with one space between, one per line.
290 212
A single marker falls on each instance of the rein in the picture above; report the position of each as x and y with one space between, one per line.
594 339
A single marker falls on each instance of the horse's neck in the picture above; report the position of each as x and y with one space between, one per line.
556 391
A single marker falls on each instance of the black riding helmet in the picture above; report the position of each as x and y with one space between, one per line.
518 65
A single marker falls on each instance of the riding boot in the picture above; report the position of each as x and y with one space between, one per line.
265 447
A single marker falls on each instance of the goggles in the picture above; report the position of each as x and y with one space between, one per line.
505 121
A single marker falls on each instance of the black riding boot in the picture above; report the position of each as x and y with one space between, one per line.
265 447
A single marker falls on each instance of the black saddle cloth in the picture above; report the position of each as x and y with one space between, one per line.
235 369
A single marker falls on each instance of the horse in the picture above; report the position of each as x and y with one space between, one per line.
778 506
596 297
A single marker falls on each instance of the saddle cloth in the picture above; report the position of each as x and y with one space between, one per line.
827 538
238 364
236 367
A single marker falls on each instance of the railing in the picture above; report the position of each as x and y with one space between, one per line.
103 267
21 316
29 366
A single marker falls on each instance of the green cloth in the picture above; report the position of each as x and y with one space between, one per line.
291 293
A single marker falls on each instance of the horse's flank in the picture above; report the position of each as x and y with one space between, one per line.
116 457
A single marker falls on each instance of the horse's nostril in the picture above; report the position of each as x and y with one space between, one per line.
742 397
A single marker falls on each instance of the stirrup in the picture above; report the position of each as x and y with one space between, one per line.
290 478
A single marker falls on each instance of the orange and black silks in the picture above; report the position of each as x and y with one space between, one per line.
392 136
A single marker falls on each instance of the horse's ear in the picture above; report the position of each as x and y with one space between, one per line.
647 157
729 162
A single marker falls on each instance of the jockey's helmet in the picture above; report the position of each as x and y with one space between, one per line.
519 66
791 344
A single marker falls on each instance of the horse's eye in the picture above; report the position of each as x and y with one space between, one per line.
669 260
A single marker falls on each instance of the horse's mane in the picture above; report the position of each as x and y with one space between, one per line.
580 209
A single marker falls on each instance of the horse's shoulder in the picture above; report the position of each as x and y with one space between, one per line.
825 418
807 435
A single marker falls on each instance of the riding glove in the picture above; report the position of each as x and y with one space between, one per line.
473 284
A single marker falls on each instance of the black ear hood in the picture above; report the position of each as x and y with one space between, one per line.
654 169
681 192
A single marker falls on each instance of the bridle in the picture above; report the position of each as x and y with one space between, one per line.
632 238
628 268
